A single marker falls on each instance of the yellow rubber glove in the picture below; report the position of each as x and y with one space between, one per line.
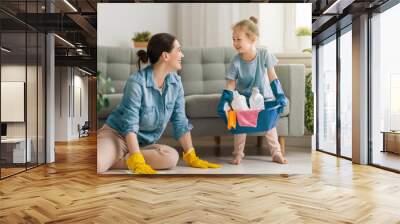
137 165
192 160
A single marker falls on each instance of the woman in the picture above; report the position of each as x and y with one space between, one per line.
152 97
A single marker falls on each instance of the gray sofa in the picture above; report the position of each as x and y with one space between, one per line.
203 78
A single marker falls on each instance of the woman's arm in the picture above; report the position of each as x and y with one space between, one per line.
186 141
132 143
180 122
131 103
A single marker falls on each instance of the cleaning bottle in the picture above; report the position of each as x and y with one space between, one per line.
256 99
239 101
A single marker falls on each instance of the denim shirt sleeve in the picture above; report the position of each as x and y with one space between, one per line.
179 120
130 106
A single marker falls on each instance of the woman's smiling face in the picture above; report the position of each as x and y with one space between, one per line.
175 56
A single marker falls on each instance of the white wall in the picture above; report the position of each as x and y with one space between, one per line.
80 82
118 22
68 80
278 23
61 104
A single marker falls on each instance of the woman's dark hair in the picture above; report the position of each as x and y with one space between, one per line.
158 43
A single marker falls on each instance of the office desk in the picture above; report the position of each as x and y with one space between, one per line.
391 141
13 150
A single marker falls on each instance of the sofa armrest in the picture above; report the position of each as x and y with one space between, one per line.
292 78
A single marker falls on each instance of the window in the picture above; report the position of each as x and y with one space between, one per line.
394 101
327 97
346 94
385 89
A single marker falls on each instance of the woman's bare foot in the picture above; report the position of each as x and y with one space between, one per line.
278 158
236 159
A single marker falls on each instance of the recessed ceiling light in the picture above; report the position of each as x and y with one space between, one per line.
338 6
5 49
64 40
84 71
70 5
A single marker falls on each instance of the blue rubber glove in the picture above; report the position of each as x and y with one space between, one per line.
227 95
279 94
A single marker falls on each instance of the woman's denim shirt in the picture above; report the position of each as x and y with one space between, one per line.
144 110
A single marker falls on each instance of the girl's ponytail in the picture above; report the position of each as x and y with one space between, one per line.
253 19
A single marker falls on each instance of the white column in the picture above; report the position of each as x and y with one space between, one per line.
314 89
360 90
50 99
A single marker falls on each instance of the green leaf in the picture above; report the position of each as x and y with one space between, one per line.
303 31
309 106
142 36
104 86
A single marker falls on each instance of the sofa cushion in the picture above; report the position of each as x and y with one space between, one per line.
202 106
205 106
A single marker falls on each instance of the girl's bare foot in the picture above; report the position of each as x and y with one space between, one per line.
278 158
236 159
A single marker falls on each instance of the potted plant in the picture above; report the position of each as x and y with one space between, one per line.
104 87
309 106
141 39
303 34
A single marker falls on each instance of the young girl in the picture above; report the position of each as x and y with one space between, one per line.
254 67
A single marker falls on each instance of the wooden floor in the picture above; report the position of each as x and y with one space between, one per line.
70 191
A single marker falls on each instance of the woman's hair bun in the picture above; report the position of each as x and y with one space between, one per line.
143 57
253 19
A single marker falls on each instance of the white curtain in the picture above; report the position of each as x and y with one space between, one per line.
290 41
209 24
206 25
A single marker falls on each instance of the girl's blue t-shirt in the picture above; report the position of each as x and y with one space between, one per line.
249 74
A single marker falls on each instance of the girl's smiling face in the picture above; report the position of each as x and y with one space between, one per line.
241 42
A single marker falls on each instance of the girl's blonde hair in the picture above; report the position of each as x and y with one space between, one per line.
249 26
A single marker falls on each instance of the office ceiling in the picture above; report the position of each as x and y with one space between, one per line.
331 15
76 21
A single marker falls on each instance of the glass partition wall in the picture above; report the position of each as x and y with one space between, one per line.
22 100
